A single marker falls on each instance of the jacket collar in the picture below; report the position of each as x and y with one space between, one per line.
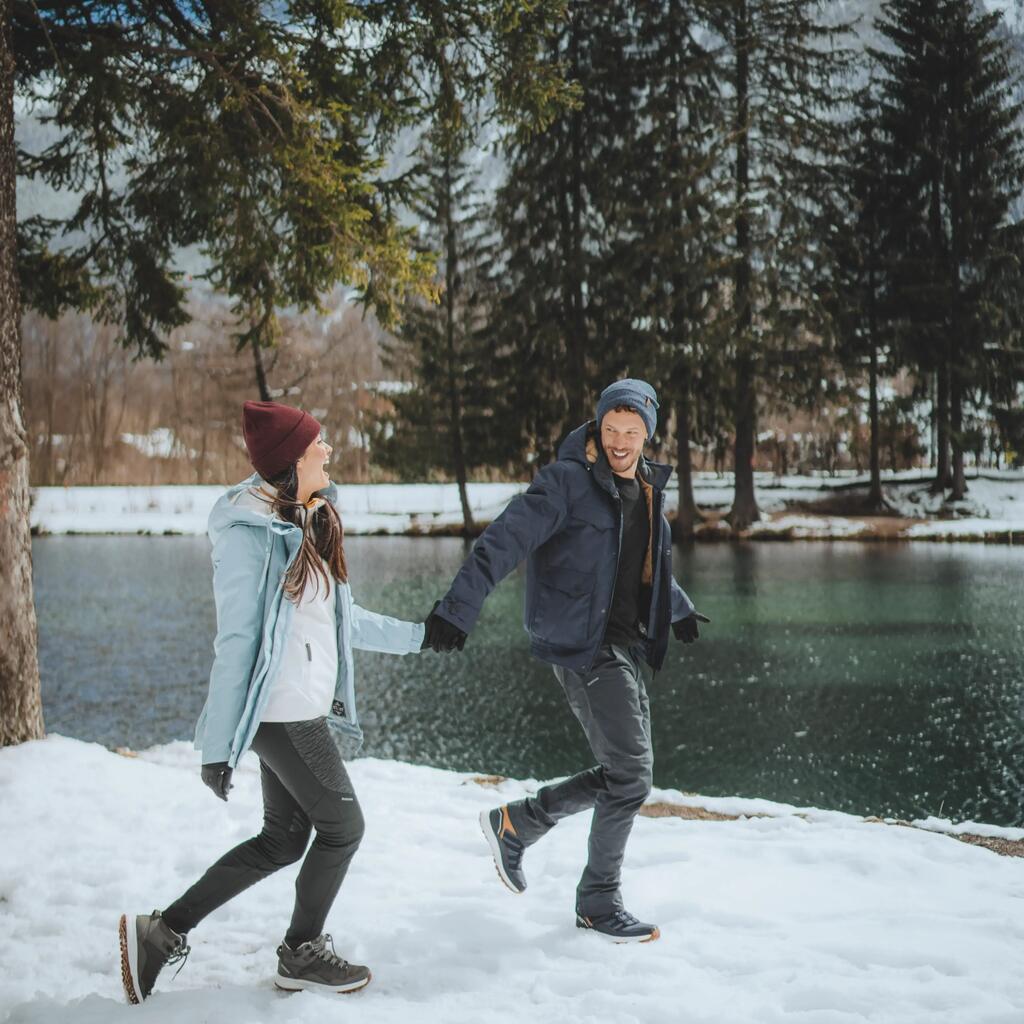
243 504
583 446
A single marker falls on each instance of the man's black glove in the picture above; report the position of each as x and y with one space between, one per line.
218 777
686 629
441 635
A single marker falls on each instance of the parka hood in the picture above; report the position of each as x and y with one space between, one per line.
240 505
584 446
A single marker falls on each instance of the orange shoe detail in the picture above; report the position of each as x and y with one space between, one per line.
506 824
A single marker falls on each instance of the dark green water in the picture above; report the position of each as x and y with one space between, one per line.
881 679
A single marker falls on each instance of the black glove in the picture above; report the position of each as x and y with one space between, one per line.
218 777
441 635
686 629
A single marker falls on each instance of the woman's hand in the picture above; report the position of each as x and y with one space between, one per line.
217 776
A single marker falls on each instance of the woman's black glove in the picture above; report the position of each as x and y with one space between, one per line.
441 635
686 629
218 777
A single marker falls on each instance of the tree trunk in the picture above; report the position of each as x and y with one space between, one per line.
571 217
454 398
744 509
933 421
943 477
956 414
688 515
876 501
21 708
261 374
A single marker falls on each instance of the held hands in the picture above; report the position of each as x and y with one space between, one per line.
686 629
441 635
218 777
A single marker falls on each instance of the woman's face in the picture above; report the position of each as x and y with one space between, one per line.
312 468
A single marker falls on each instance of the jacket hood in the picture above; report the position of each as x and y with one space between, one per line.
239 504
583 446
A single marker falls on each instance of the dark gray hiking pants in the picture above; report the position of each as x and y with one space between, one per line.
610 702
305 786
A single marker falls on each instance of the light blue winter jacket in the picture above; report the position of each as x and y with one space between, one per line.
252 550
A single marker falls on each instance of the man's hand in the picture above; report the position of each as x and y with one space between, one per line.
686 629
217 776
441 635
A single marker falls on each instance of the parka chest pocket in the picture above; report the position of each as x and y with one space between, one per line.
593 516
562 612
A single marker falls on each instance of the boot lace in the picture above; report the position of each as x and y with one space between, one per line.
178 954
329 956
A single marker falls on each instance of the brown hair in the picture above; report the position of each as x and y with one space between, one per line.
323 536
627 408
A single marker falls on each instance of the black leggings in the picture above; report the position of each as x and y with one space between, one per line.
305 786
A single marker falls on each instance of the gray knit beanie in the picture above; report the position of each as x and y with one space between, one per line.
637 394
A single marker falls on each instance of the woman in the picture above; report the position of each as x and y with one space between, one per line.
281 683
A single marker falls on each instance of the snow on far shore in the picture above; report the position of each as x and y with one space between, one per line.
814 919
994 508
366 508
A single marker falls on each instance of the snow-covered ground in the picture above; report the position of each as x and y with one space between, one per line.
994 507
366 508
822 919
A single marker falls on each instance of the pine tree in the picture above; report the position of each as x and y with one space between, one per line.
681 215
436 424
856 225
952 126
560 329
786 75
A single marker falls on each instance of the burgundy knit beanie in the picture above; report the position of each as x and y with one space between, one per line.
276 435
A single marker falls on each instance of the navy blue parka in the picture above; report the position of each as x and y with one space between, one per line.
568 527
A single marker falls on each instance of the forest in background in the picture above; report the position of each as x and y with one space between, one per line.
97 416
804 230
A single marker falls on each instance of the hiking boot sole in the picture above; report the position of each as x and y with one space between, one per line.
495 844
300 985
617 939
129 963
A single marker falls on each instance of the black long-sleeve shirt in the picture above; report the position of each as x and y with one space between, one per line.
632 599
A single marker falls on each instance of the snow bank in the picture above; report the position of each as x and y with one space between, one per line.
367 508
995 507
805 527
810 920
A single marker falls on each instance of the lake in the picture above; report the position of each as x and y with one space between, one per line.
871 678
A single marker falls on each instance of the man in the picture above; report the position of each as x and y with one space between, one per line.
600 598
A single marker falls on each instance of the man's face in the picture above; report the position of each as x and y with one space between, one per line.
623 436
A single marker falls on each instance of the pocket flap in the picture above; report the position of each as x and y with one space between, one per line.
568 581
594 515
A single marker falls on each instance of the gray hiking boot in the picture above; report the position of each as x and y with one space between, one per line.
506 847
315 967
147 944
619 926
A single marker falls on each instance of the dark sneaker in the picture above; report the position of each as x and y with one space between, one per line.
315 967
147 944
619 926
506 846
